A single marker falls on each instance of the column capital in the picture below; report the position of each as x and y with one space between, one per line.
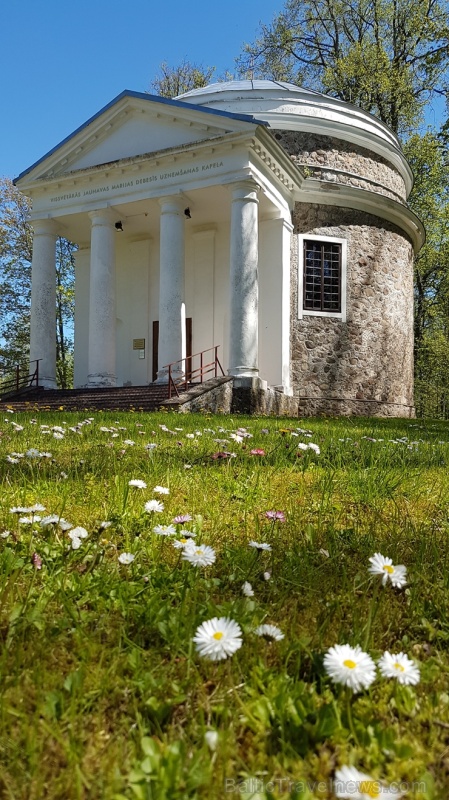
172 204
245 189
44 227
103 216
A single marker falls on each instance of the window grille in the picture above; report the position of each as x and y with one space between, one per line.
322 276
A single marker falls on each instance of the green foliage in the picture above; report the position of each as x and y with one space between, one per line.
386 56
430 201
101 691
173 81
15 287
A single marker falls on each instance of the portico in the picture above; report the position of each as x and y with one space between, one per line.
164 236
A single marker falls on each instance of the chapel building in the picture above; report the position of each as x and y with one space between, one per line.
256 216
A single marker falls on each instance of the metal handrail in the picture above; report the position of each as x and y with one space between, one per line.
21 379
191 375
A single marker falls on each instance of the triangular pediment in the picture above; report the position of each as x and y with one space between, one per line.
133 125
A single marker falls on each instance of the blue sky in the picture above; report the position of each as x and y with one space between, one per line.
61 62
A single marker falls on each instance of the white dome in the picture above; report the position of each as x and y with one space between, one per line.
283 105
288 107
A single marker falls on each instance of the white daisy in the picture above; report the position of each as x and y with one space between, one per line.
185 534
5 534
161 490
381 565
218 638
76 542
350 784
51 519
181 543
153 505
350 666
260 545
269 632
128 441
64 525
78 533
399 666
126 558
199 555
247 589
33 453
164 530
20 510
211 739
186 539
137 483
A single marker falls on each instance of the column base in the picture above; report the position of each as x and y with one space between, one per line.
162 375
101 379
244 372
48 383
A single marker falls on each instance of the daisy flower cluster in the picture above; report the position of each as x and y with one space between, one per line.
356 669
218 638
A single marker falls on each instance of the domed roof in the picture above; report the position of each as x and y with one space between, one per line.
288 107
281 104
244 86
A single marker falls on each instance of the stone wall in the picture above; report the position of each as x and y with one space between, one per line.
367 361
222 396
342 162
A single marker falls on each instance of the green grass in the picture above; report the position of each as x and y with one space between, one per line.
102 692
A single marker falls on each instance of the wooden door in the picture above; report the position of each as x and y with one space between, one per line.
188 348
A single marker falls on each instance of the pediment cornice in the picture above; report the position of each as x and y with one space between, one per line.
206 123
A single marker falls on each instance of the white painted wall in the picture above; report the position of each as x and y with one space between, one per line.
143 133
133 262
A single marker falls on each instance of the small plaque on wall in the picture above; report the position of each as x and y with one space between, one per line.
138 344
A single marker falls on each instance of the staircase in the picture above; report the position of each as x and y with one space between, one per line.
120 398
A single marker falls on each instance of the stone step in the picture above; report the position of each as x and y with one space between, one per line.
124 398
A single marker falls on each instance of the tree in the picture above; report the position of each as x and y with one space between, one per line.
15 286
389 57
173 81
430 201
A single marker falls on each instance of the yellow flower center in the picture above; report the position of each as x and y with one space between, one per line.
399 666
218 635
183 541
388 568
199 552
349 664
370 788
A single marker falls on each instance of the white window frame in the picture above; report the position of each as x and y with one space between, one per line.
344 260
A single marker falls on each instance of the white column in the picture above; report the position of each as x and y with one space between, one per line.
102 322
244 284
43 301
81 343
172 345
274 301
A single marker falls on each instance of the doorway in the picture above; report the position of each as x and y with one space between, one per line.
156 348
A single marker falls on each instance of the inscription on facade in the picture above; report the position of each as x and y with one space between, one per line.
156 178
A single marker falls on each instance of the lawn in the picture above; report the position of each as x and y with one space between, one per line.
112 685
